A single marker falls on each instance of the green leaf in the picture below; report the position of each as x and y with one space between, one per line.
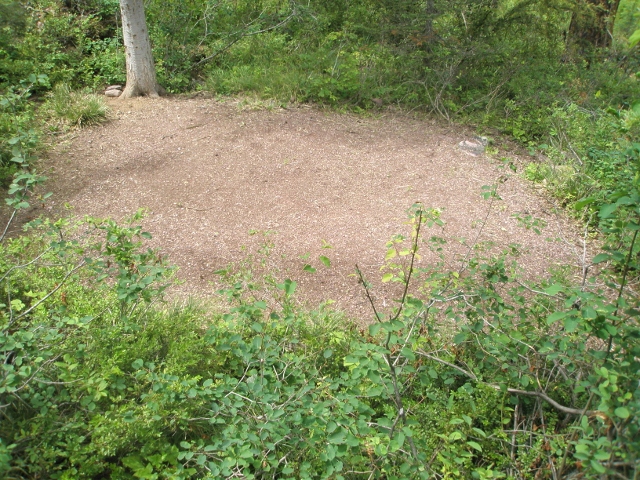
257 327
289 286
555 316
633 226
597 466
396 443
374 329
133 462
480 432
309 268
602 257
352 441
408 353
634 38
327 353
387 277
607 210
570 324
325 260
337 437
622 412
459 338
584 202
137 365
475 445
553 289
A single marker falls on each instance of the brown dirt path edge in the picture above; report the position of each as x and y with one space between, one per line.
210 173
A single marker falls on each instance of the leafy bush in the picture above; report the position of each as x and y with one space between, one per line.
474 374
18 139
589 154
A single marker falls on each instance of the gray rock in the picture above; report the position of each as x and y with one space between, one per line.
113 92
474 147
114 87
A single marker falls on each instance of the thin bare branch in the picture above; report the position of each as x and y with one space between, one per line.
541 395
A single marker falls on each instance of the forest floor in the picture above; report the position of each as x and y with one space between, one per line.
222 179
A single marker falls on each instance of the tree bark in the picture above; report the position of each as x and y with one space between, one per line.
141 72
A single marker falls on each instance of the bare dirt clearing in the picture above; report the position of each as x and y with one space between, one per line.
211 174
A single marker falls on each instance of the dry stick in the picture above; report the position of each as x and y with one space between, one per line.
8 223
549 400
624 276
25 190
206 26
544 436
366 292
464 262
516 415
581 258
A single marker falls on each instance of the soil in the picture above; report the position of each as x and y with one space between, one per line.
219 179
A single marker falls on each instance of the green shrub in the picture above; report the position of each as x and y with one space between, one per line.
474 373
18 138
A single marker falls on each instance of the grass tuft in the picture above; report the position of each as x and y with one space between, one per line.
75 109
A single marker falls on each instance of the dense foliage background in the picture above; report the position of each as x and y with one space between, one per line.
477 373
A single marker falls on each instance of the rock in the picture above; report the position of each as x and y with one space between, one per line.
474 147
113 92
114 87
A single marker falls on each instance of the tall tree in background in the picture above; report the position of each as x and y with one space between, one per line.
592 24
141 72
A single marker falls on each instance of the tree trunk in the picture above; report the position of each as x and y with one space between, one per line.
592 26
141 72
431 13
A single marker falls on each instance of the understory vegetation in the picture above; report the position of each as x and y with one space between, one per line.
476 372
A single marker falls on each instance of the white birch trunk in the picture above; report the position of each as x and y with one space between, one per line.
141 72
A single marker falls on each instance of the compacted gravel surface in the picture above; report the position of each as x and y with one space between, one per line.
220 180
